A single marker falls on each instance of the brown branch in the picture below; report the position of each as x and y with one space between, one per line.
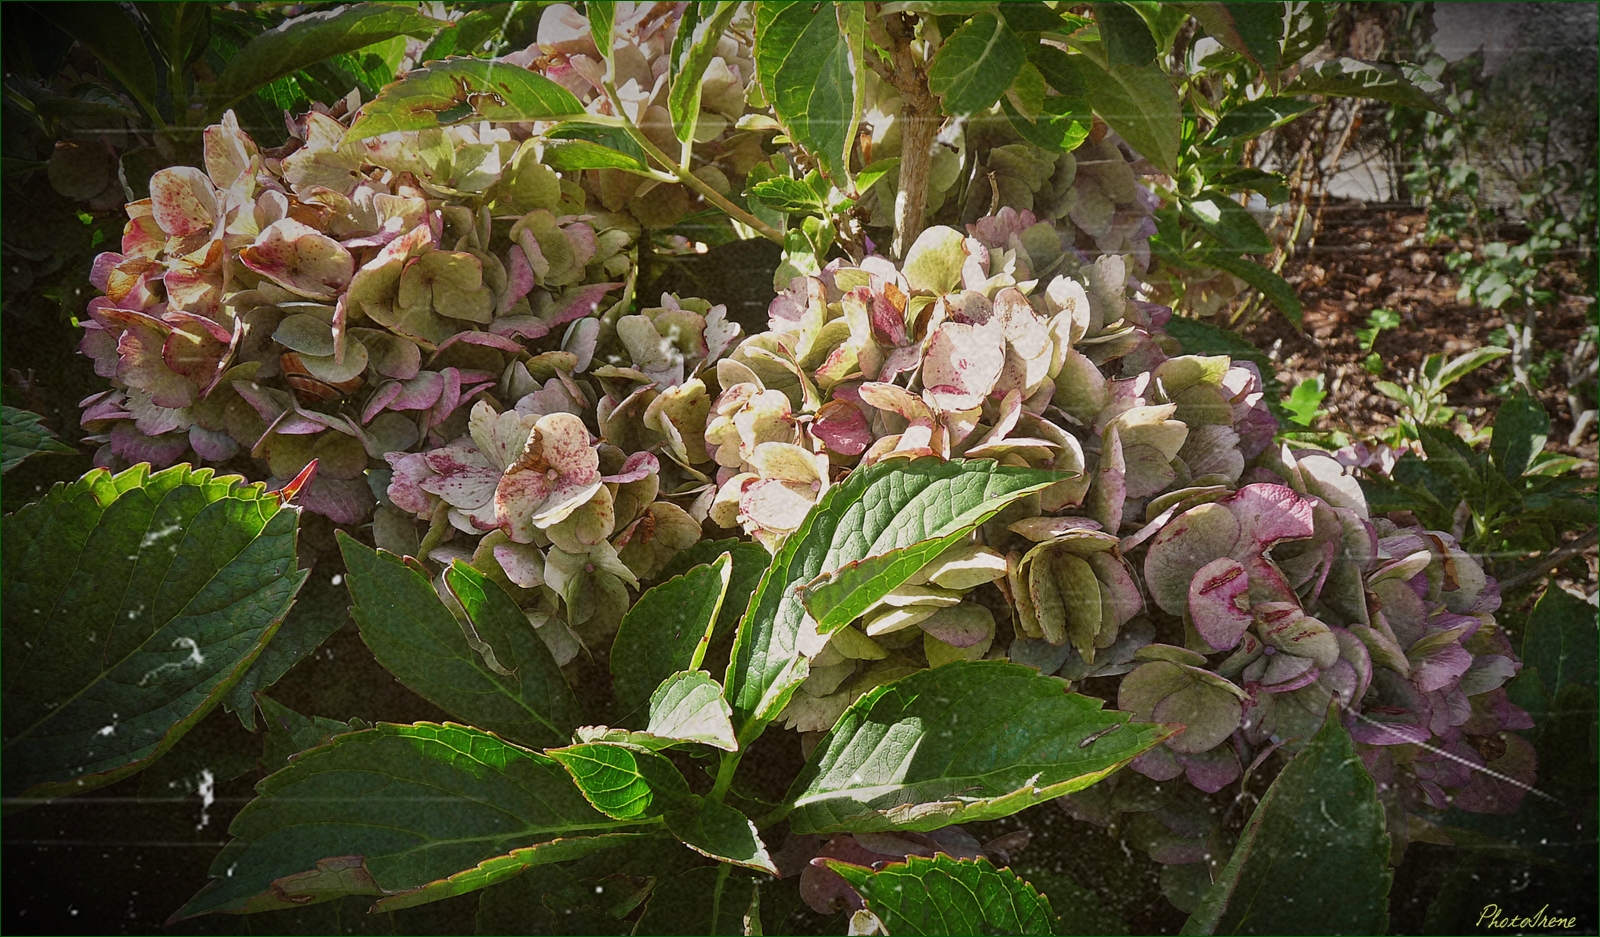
919 116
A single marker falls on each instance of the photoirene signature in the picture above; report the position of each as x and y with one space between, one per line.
1491 917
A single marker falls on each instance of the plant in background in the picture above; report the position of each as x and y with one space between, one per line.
1377 321
986 495
1422 395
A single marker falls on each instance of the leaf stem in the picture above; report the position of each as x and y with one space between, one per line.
725 770
774 815
688 178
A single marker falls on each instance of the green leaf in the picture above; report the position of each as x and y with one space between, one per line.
968 741
1275 288
786 193
1559 640
664 632
1254 30
1462 365
180 30
689 707
1254 117
111 39
1314 850
707 900
1061 71
504 635
580 146
289 733
1350 78
602 21
466 35
976 65
1140 104
750 561
23 434
314 37
1127 37
1304 401
215 752
1228 222
885 507
321 609
1029 17
409 813
868 177
683 101
1063 123
417 639
1305 25
943 895
804 66
843 594
720 832
486 90
1520 429
131 605
623 782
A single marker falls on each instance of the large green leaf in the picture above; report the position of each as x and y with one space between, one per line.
1140 104
664 632
1228 222
1351 78
321 609
417 639
876 510
844 593
1559 641
23 434
113 40
976 65
804 66
180 30
461 89
1521 428
1255 117
968 741
132 603
708 900
314 37
942 895
683 100
581 146
1314 854
750 561
409 813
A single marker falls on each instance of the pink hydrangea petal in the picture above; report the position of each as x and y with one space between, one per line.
775 505
638 466
579 303
517 496
842 428
1219 602
182 201
519 279
462 477
523 564
962 364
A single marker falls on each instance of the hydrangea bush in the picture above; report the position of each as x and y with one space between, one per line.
446 321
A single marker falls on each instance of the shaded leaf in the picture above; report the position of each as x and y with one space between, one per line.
1520 429
1559 641
720 832
1254 117
409 812
132 604
664 632
1140 104
976 64
289 733
417 639
314 37
968 741
1254 30
707 900
1314 850
1228 222
750 561
942 895
1275 288
1350 78
474 89
112 39
874 511
321 609
804 66
23 434
1127 37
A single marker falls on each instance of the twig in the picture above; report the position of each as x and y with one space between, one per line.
1550 562
920 117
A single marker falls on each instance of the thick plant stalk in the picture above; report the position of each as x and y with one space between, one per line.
920 125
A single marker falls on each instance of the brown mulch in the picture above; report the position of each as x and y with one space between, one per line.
1373 256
